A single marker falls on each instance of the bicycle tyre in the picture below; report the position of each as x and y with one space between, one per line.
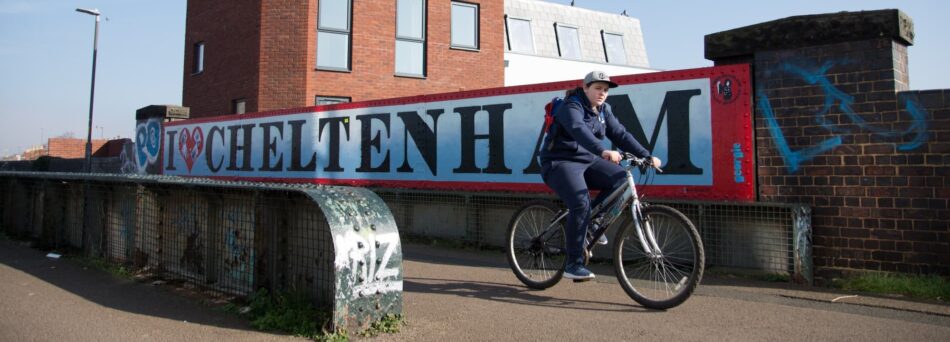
538 264
661 282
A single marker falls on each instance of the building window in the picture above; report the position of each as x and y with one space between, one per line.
568 45
464 25
519 35
239 106
333 35
328 100
613 48
198 60
410 38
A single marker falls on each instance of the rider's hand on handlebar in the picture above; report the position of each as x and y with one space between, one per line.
612 156
656 162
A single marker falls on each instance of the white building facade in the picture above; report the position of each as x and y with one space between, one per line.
547 42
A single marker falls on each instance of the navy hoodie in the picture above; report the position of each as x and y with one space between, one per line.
580 130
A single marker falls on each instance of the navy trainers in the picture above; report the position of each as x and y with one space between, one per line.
577 271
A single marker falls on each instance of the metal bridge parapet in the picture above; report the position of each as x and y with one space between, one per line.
339 245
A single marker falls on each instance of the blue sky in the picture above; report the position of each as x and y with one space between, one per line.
46 53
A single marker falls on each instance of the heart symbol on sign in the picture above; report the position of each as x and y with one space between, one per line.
190 143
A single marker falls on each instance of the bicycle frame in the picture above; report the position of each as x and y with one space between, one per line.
627 196
654 277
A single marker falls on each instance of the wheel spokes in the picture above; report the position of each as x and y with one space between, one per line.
663 275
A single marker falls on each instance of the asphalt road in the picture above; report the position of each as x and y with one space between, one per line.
454 295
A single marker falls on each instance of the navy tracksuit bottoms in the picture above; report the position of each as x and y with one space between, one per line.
572 181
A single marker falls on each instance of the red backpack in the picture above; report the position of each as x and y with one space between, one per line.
549 110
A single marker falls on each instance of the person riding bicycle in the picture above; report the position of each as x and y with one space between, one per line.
574 160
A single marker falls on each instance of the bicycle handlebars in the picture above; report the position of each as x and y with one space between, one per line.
634 160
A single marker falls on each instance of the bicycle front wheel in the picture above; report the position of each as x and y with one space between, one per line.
667 277
536 249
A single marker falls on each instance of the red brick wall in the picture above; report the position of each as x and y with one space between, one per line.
447 70
872 163
71 147
265 51
111 148
286 43
231 33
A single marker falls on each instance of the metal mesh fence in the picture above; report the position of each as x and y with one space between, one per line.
755 236
236 240
751 236
230 240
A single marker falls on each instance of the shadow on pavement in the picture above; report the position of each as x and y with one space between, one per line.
603 268
509 294
102 288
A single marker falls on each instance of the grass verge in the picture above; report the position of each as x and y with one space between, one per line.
287 312
388 325
293 313
916 286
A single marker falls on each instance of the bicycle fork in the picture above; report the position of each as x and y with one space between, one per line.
645 231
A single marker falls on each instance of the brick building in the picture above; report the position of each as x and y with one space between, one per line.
263 55
69 148
33 152
269 54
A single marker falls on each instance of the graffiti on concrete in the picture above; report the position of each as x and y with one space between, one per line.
127 158
368 255
835 98
193 258
185 222
239 254
147 143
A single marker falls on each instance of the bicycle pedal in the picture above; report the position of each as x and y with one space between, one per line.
582 280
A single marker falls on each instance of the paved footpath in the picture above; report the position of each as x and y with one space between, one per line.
42 299
454 295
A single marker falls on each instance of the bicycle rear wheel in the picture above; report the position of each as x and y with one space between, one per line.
536 259
666 279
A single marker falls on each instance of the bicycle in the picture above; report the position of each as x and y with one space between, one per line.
657 254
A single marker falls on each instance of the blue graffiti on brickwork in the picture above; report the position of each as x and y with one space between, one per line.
919 126
834 97
792 158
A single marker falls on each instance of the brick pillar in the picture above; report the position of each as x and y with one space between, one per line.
836 129
147 151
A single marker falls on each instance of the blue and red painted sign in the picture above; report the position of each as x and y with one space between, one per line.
697 121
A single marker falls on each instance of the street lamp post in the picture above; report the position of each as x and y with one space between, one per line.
92 88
